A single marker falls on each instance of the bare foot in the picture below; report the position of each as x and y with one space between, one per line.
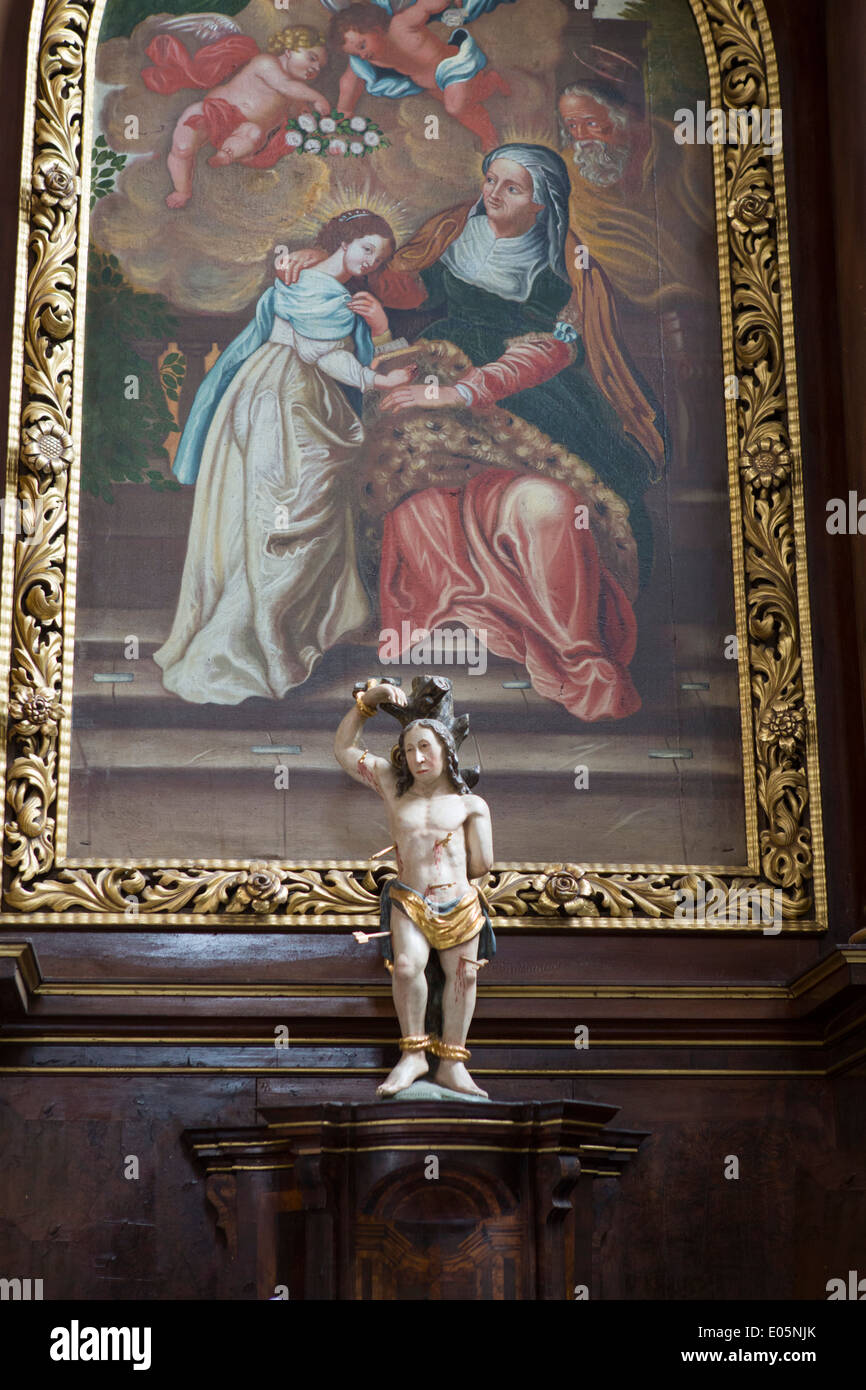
221 158
177 200
410 1066
455 1077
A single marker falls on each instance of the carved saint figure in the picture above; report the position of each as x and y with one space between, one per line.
443 839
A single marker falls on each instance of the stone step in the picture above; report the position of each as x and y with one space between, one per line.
137 546
688 653
499 704
203 811
605 753
102 634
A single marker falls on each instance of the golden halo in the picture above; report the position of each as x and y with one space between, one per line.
536 134
344 199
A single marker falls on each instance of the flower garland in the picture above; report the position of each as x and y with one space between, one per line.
349 136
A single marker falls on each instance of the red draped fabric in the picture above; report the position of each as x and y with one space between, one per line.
503 557
219 119
174 68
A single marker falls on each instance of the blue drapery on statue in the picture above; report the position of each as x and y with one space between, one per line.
317 306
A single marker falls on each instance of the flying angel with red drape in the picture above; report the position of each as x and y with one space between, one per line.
250 94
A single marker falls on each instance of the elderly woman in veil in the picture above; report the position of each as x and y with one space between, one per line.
509 286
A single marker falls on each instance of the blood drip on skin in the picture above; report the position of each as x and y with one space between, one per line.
366 772
437 850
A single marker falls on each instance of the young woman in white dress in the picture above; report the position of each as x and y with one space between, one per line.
270 580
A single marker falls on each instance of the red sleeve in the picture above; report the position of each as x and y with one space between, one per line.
526 362
174 68
398 289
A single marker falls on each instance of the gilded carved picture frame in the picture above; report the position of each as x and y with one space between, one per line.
785 850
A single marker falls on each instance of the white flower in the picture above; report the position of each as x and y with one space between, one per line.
358 123
371 138
312 146
294 138
356 147
327 125
307 122
337 147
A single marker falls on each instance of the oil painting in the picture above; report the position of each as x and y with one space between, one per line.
402 353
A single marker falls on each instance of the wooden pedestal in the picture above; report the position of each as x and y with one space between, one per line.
414 1199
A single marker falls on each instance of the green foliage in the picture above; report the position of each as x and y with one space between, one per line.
676 71
106 165
121 16
173 371
126 417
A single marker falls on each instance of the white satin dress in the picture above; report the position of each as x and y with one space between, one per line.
270 579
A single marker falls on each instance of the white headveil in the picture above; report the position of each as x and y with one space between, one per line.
550 187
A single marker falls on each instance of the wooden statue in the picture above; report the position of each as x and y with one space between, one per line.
442 837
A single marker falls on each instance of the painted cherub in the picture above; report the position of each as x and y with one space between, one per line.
397 55
250 93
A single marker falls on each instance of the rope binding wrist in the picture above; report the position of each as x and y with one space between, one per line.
364 709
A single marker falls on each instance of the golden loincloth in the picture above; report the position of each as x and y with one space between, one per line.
454 923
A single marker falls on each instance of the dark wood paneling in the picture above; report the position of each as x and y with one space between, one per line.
673 1226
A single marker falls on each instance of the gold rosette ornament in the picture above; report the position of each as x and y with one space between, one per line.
55 185
784 725
752 212
765 465
47 448
563 888
34 710
261 887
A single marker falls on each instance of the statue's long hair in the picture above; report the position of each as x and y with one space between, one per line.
452 771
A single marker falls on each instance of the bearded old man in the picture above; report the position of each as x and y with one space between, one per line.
641 202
